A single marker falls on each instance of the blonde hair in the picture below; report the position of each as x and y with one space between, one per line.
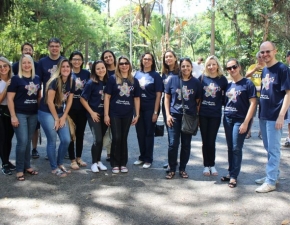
57 75
20 74
220 70
118 72
3 59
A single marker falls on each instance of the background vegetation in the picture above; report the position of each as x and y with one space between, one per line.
232 28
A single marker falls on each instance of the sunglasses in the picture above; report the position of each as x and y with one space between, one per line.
232 67
267 51
3 66
124 63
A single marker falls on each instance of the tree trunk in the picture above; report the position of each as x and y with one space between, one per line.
167 24
212 41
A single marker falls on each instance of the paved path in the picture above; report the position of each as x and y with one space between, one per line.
145 196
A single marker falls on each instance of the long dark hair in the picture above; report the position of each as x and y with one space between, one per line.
165 67
153 66
103 55
94 75
76 53
181 61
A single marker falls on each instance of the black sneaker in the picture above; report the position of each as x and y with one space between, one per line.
11 166
6 170
34 154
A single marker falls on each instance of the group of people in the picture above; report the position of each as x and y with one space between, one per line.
111 99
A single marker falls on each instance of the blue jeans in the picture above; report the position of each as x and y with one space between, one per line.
145 134
174 134
235 142
47 122
24 133
209 127
272 143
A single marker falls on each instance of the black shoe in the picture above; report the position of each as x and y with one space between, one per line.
34 154
11 166
6 170
165 165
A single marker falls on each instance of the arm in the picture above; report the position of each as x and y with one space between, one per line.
156 107
284 108
244 126
51 106
106 109
10 103
251 72
95 116
137 110
169 118
4 92
69 101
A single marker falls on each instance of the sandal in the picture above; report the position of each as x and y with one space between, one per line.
206 171
248 136
80 162
64 169
225 178
170 175
59 173
74 165
232 184
183 174
20 178
31 172
260 136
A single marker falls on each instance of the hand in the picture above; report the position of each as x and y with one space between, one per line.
243 128
258 67
56 125
62 121
95 116
279 122
14 121
170 121
8 83
107 120
135 120
154 118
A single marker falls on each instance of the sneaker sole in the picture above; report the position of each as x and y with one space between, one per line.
6 173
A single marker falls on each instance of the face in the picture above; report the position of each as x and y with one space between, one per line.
147 61
288 59
186 68
65 69
124 66
233 69
101 70
4 68
267 52
260 59
108 58
170 59
26 65
54 49
212 66
76 61
27 50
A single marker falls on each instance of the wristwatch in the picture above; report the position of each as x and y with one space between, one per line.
155 113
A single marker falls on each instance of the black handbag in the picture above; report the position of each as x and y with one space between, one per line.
159 130
189 123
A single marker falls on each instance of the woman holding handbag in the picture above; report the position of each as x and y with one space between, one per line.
181 93
214 84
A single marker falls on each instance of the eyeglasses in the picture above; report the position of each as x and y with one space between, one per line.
77 60
54 46
232 67
148 59
267 51
124 63
3 66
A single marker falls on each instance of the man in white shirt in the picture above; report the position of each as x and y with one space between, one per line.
198 67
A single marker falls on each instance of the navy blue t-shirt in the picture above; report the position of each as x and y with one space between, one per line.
111 72
150 83
81 79
66 90
191 91
122 97
15 67
26 94
275 82
213 90
94 93
237 98
46 67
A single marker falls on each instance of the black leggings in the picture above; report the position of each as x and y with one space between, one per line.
6 135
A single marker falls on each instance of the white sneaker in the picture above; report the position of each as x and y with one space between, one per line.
213 171
262 181
146 165
138 162
101 166
124 169
94 168
264 188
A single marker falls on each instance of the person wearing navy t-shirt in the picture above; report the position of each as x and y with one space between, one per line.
274 103
22 97
92 99
52 115
151 88
240 104
77 111
214 85
122 97
109 58
191 94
